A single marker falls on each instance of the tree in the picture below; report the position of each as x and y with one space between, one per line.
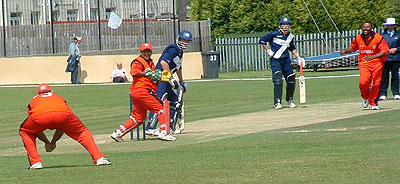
249 16
182 10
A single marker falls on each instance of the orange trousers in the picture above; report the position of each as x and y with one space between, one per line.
143 100
370 72
65 121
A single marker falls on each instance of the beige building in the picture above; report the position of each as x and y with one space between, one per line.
31 12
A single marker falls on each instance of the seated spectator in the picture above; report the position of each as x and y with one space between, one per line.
119 74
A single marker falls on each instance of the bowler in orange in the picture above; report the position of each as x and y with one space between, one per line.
373 49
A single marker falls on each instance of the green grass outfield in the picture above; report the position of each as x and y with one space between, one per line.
361 148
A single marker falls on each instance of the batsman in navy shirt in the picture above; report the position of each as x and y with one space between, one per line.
280 43
170 60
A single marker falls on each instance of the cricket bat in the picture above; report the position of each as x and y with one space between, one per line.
302 85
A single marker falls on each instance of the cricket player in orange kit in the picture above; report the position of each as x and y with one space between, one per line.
48 110
142 92
373 50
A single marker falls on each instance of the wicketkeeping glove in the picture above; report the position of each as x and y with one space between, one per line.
155 75
174 83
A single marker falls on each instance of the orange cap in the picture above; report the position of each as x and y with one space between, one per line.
146 46
42 88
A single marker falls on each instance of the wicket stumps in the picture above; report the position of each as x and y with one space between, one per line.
137 129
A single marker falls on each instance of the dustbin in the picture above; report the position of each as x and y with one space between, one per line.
210 61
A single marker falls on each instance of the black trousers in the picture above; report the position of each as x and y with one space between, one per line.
75 75
118 80
393 68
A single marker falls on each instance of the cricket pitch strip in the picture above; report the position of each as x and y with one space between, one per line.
221 128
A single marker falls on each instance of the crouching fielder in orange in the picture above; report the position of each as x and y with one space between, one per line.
48 110
373 50
144 98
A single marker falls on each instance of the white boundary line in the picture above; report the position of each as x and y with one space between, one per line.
204 80
261 79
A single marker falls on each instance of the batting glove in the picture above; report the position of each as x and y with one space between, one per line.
174 83
165 75
301 61
270 52
184 86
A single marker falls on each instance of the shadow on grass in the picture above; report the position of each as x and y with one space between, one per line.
68 166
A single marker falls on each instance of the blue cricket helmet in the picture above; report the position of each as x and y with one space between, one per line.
185 34
285 20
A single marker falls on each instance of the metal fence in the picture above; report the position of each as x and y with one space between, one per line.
42 27
246 54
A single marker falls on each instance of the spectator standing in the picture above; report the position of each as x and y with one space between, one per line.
74 65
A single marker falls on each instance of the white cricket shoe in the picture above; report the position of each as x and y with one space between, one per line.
396 97
166 137
176 131
374 107
383 97
152 132
365 103
37 165
278 106
103 161
116 136
291 104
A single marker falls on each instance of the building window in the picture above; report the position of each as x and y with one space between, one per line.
93 14
35 17
71 15
15 18
56 15
108 12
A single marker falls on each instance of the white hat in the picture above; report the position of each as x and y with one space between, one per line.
389 22
77 38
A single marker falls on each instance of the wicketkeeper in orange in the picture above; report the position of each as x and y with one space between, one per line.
142 93
373 50
48 110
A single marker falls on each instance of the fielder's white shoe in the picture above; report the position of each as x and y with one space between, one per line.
383 97
365 103
396 97
374 108
152 132
37 165
278 106
116 135
166 137
103 161
291 104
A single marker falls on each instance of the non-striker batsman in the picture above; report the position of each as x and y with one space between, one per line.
281 42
